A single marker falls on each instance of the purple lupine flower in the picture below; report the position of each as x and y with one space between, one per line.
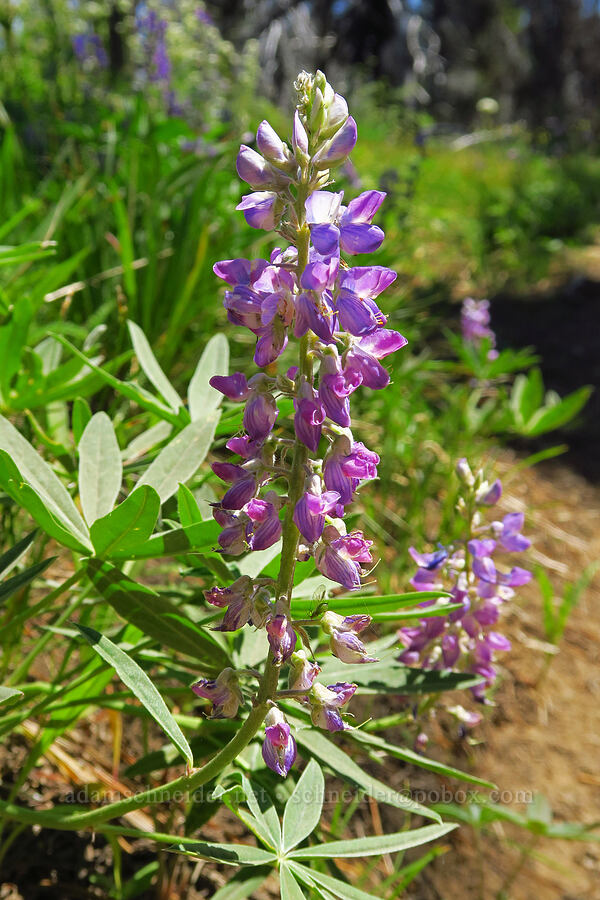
240 271
335 390
303 672
464 638
475 322
262 209
343 634
244 488
309 416
265 527
224 693
326 702
260 414
509 532
345 467
310 512
359 287
234 387
282 638
279 746
334 226
362 360
299 140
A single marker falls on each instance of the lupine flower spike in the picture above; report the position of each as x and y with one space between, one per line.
466 639
305 293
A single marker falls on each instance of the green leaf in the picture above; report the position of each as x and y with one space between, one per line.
416 759
151 367
155 616
550 418
374 846
181 458
203 398
8 693
187 507
230 854
202 536
290 889
137 681
80 417
340 889
265 815
242 885
303 810
366 603
254 563
128 526
14 584
331 755
37 473
100 468
11 557
24 495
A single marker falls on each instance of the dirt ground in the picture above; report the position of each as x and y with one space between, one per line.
544 735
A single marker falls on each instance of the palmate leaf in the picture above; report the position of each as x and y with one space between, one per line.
138 682
181 458
156 616
374 846
100 468
203 398
303 810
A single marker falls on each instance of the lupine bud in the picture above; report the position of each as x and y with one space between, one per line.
282 638
337 113
279 746
272 147
338 148
257 172
343 632
463 470
300 141
262 209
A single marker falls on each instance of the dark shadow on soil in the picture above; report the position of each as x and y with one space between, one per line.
564 328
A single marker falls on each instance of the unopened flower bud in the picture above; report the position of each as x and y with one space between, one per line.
272 147
463 470
338 148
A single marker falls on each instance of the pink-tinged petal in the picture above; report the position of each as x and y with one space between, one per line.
450 650
382 342
367 281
